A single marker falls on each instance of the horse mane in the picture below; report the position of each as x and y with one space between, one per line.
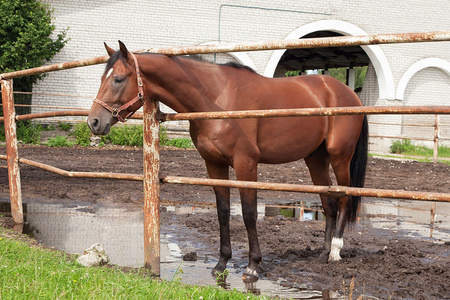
117 55
228 64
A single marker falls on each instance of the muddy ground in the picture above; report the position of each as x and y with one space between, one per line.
383 264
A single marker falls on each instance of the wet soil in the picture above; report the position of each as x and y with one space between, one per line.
381 264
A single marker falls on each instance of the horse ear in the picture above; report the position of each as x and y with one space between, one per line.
124 51
109 49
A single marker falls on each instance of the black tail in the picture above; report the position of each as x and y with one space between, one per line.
358 167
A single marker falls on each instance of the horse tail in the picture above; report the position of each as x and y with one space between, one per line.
358 167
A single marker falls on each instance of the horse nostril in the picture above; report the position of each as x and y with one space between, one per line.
95 123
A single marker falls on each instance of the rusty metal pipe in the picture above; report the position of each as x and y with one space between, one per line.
29 162
56 67
12 154
151 188
339 41
302 112
335 191
62 113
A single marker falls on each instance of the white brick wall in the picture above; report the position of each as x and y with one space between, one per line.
145 24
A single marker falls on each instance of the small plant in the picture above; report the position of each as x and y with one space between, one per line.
402 146
28 132
177 275
59 141
82 134
64 126
163 136
125 136
221 276
2 133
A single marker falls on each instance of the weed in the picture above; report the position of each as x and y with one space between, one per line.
64 126
402 146
163 135
125 135
177 275
2 133
222 276
82 134
59 141
28 132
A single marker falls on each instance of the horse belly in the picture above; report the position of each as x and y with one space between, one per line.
290 139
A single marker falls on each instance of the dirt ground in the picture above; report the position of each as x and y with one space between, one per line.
382 264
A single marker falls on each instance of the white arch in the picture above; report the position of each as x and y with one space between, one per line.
241 57
376 55
416 67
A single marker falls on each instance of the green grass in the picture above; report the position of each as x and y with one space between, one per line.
58 141
406 147
32 272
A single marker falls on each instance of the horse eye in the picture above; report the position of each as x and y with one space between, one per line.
118 80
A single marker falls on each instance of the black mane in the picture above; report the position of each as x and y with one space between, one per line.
117 55
229 64
238 66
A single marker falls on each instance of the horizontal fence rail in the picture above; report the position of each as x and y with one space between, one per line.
335 191
65 173
338 41
305 112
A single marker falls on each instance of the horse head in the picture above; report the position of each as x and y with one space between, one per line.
120 93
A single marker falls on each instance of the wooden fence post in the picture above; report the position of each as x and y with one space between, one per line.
151 188
9 114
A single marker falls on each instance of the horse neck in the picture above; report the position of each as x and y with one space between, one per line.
182 84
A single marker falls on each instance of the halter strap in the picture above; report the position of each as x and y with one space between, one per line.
140 97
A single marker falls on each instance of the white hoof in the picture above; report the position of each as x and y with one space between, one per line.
336 246
250 272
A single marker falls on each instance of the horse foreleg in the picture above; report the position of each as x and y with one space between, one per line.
223 213
250 214
246 169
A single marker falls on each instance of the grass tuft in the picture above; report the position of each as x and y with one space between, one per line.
408 148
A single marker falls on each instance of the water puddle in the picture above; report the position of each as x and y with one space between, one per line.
419 219
74 227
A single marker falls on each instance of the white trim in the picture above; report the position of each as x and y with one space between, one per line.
242 57
416 67
376 55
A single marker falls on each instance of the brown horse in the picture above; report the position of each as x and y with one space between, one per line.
187 85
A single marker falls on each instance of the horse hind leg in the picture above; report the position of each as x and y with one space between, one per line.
341 168
318 165
216 171
340 158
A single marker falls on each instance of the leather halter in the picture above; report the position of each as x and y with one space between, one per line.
140 97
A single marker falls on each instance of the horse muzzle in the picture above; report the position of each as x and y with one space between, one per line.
100 126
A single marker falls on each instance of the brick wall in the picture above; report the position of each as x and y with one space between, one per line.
145 24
